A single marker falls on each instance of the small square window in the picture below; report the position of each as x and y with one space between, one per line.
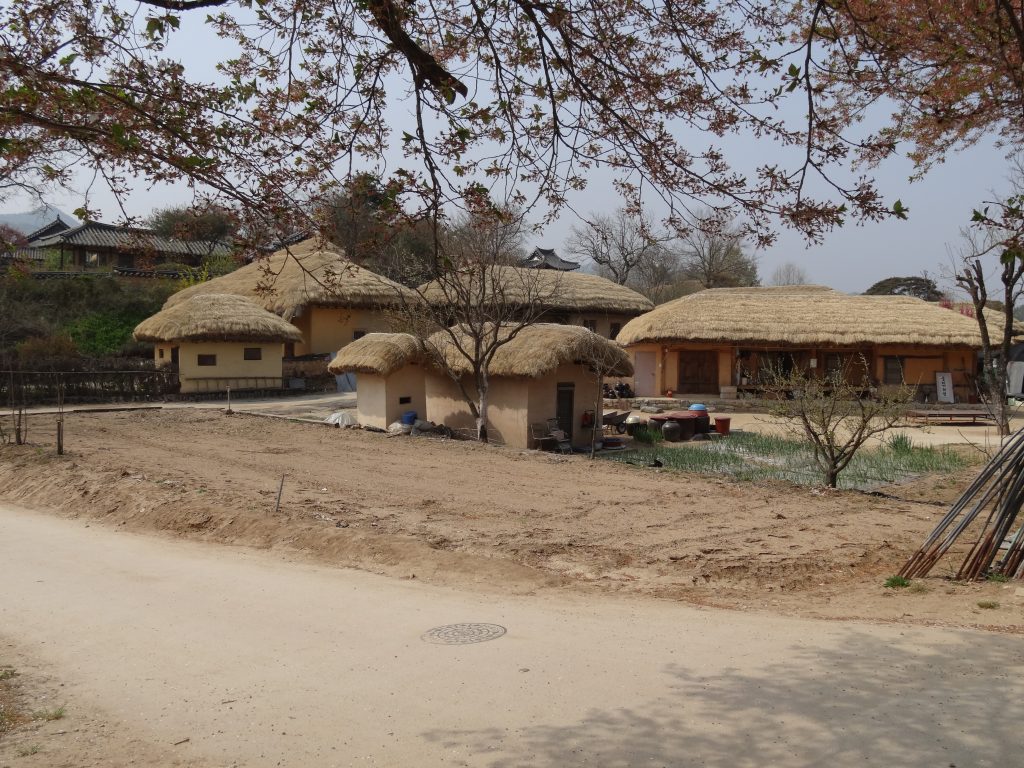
207 359
252 353
404 400
616 327
160 353
358 335
590 325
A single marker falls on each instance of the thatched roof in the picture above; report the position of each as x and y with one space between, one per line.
379 353
558 291
539 349
215 317
324 279
802 315
536 350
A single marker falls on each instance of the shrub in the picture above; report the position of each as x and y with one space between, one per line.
42 349
897 582
901 443
99 334
648 435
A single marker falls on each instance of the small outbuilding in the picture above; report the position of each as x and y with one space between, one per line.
545 372
391 377
215 341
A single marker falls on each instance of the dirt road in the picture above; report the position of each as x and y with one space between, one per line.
457 513
217 656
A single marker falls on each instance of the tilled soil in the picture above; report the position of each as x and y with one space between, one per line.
461 513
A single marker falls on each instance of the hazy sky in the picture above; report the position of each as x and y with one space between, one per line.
850 259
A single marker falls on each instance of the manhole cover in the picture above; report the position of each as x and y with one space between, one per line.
463 634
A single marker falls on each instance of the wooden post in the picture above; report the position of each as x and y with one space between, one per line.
60 414
228 411
280 489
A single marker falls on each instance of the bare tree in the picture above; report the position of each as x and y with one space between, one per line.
619 243
996 338
789 274
494 235
602 359
712 254
468 313
832 413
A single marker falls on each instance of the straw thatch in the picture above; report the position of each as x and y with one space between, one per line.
555 290
378 353
801 315
215 317
539 349
324 279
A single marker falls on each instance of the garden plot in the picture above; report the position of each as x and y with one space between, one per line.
752 456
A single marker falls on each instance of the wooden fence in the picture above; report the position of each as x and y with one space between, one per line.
44 387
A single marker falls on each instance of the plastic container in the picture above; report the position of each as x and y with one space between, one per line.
409 417
698 407
722 424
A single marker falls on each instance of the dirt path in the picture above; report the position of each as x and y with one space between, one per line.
217 656
462 514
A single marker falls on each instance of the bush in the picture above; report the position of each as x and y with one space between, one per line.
648 435
901 443
96 313
41 350
104 333
897 582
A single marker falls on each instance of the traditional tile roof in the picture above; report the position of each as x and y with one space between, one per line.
53 228
93 234
546 258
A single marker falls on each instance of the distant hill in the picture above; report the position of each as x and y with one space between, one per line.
30 221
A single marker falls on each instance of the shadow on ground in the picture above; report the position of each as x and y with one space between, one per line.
915 702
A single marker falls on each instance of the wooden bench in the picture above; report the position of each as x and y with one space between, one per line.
951 415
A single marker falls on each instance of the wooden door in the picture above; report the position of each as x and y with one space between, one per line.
564 406
645 367
698 373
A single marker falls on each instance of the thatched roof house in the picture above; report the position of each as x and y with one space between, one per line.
570 298
303 275
719 339
217 341
801 315
215 317
545 372
311 284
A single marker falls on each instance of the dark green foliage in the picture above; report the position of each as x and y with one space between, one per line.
99 334
97 314
918 287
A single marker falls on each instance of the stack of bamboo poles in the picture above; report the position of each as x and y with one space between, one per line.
995 497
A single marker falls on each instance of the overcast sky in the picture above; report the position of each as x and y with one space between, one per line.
850 259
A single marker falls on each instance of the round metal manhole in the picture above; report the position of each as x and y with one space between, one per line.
463 634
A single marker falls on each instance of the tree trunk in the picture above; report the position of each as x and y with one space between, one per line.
481 419
831 477
598 407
